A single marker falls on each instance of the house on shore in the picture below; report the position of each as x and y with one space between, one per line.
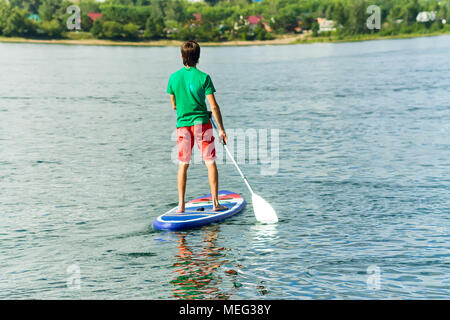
94 15
254 20
299 27
326 25
198 17
196 20
34 17
426 16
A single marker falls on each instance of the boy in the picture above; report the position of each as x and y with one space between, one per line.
188 88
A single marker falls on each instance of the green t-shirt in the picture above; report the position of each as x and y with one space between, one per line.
190 87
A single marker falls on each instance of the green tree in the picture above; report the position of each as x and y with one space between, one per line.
307 21
112 30
432 5
97 28
18 24
339 14
54 9
131 31
122 2
175 10
157 9
315 28
184 34
4 14
154 28
206 32
443 12
86 22
260 32
143 2
285 21
87 6
221 19
410 11
48 9
31 6
436 26
357 17
51 29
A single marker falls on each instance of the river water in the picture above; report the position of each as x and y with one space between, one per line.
360 180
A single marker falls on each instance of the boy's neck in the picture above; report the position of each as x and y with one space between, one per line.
186 66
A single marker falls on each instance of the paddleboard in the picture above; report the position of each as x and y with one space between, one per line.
199 212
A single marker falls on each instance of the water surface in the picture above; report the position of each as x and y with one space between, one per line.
362 188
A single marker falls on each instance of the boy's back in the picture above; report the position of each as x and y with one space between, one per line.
190 87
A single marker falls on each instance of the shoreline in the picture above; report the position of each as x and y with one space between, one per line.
284 40
154 43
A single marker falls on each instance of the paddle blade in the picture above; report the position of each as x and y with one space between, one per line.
263 210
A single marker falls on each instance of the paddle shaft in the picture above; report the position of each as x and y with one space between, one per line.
232 158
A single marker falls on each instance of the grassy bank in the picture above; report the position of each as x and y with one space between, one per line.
366 37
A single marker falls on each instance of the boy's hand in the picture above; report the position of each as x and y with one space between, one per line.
223 137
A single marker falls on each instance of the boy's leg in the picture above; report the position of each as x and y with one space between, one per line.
213 177
181 179
185 142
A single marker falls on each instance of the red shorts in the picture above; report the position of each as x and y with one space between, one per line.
203 135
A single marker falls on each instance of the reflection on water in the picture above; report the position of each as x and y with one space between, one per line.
264 237
205 270
197 268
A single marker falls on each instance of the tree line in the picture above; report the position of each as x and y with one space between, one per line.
213 20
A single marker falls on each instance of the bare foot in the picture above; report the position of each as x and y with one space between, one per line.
180 209
220 208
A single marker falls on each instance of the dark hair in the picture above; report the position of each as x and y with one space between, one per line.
190 51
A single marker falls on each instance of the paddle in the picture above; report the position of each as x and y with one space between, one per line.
261 208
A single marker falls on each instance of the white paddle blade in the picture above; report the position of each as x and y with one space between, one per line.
263 210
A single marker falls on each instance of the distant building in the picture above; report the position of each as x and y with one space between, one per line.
197 16
299 27
170 30
94 15
253 22
326 25
254 19
34 17
195 20
426 16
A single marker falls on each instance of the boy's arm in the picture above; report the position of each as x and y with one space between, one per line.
218 116
172 100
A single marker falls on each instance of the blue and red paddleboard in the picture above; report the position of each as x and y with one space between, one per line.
199 212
